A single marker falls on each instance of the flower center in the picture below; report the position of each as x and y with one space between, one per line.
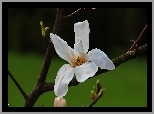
78 61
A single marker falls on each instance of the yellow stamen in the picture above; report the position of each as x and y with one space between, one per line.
78 61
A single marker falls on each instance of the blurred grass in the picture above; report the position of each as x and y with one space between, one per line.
125 86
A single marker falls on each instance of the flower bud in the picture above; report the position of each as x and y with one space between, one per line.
92 95
46 28
59 102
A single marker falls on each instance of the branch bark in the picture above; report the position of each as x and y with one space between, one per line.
117 61
95 101
35 94
18 86
135 42
74 13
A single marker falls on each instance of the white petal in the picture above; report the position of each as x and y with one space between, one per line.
78 46
61 47
84 71
71 50
84 55
100 59
64 76
82 31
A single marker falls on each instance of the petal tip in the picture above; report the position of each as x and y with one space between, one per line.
112 67
51 35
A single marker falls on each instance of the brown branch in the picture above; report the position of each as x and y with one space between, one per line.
96 93
95 101
117 61
18 86
74 13
35 94
135 42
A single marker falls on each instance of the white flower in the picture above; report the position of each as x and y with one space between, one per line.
83 64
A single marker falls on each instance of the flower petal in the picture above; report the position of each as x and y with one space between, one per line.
84 71
100 59
78 46
82 31
64 76
71 50
61 47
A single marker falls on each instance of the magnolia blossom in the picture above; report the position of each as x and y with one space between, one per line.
59 102
83 64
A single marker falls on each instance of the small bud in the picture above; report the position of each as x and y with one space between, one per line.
98 86
46 28
59 102
97 81
92 95
42 29
92 92
41 23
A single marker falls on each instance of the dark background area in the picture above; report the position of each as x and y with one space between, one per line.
111 29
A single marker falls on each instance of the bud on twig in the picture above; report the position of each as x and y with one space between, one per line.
46 29
59 102
93 95
98 87
43 29
96 93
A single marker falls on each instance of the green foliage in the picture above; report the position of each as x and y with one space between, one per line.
125 86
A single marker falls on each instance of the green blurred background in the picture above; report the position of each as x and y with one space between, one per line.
111 30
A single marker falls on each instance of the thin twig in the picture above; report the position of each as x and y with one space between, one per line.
18 86
47 41
117 61
96 93
95 101
135 42
74 13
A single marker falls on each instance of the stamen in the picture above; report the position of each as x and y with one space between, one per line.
78 61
